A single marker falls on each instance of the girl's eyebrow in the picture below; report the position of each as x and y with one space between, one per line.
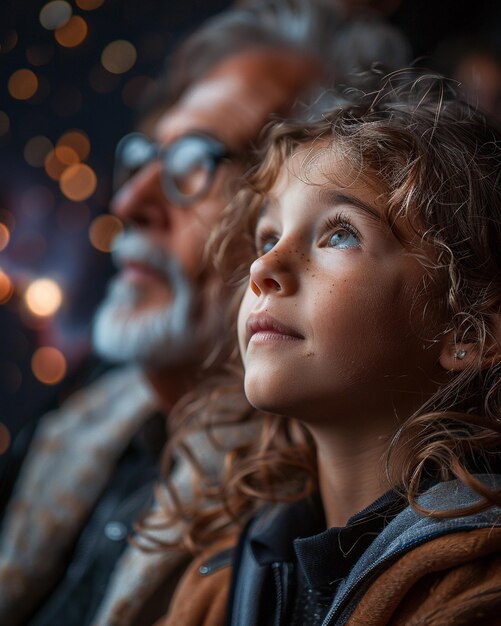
334 196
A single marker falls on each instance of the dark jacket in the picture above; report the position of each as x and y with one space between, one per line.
419 570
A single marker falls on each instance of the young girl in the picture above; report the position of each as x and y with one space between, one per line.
372 318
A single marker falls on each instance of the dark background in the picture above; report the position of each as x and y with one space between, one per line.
50 234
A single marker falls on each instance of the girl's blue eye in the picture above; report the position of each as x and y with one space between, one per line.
267 246
343 239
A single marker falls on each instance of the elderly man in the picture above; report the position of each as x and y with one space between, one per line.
92 465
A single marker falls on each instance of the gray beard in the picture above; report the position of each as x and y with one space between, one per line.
163 336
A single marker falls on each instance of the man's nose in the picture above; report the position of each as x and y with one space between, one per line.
141 200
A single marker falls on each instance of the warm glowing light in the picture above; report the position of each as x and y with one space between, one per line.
5 438
55 14
23 84
4 123
78 141
4 236
53 166
67 155
72 33
36 150
43 297
103 230
78 182
48 365
89 5
6 288
119 56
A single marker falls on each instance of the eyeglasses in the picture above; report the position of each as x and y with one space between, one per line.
188 164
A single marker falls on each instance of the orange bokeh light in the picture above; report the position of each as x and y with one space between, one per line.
78 141
48 365
36 150
53 166
67 155
43 297
23 84
5 438
103 230
4 236
73 33
119 56
6 288
78 182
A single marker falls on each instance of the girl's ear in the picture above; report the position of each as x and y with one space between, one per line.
455 357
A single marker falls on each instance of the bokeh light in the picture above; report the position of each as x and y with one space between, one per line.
73 33
37 149
54 168
78 182
103 231
48 365
67 155
55 14
9 42
4 236
78 141
4 123
89 5
6 288
5 438
43 297
23 84
119 56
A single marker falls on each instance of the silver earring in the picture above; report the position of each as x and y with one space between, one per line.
460 354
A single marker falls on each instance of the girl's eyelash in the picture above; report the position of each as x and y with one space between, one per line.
339 220
262 237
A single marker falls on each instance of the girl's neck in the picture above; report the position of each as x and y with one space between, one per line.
351 474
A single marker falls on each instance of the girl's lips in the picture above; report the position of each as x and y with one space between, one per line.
262 327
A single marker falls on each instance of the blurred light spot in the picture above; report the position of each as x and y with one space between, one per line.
72 33
67 101
39 55
73 216
23 84
53 166
103 230
5 438
135 89
101 80
78 141
43 297
9 42
55 14
6 288
119 56
7 218
78 182
89 5
48 365
67 155
4 236
36 150
4 123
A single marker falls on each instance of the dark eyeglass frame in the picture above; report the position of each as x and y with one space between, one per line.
216 153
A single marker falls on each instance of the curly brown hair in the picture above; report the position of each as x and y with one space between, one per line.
439 161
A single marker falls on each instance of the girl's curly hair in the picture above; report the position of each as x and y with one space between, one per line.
439 161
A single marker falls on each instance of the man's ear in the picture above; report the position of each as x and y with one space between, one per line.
457 356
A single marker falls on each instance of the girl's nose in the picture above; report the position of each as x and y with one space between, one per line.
141 200
273 273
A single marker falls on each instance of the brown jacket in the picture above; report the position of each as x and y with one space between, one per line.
454 580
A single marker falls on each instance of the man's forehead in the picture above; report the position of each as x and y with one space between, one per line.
238 95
